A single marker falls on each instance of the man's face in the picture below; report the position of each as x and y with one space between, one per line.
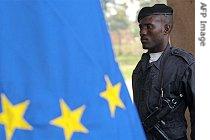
152 32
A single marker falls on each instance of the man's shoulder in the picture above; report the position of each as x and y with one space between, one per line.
181 53
142 62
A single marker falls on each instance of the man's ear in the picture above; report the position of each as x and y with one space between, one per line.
167 29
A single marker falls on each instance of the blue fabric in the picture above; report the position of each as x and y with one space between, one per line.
52 50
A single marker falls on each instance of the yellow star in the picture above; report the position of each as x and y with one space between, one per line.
70 120
12 116
112 95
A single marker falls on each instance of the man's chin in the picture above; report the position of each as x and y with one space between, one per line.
145 46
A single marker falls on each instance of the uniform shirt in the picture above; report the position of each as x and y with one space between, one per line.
174 72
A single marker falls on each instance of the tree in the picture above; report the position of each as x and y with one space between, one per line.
116 18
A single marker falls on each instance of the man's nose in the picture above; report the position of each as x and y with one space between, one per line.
143 31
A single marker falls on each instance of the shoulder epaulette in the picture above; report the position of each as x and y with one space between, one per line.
188 57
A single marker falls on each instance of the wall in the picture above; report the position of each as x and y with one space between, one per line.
183 33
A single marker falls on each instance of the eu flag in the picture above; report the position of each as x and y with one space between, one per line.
58 76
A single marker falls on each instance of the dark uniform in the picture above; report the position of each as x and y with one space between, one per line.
174 73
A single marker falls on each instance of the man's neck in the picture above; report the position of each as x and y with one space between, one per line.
159 48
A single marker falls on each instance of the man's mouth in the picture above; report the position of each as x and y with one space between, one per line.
144 40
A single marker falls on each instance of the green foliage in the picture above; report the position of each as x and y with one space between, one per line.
135 30
127 64
128 60
118 21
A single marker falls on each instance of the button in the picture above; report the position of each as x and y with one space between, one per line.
163 122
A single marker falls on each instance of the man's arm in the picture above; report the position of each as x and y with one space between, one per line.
190 95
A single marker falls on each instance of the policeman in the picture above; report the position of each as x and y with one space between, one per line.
163 80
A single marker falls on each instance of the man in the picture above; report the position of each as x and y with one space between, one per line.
163 80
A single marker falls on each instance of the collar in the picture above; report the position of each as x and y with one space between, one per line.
154 56
164 54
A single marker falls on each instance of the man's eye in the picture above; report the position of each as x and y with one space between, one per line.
149 26
140 27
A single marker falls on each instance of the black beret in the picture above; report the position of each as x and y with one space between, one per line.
157 9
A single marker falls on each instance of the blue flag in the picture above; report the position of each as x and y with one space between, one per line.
58 76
